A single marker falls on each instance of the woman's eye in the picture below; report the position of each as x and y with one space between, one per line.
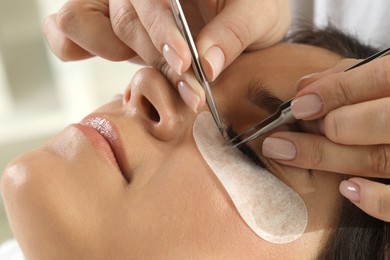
246 150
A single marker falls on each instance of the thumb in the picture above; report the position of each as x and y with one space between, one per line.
255 24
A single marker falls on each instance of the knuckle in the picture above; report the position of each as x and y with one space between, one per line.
383 116
378 160
154 24
60 45
239 32
383 205
343 92
66 17
335 126
381 76
125 23
317 154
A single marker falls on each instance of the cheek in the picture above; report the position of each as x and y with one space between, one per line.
320 194
325 202
181 200
273 210
54 202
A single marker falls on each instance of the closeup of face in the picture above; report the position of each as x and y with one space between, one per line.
129 182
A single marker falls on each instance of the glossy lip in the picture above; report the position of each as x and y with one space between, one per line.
109 132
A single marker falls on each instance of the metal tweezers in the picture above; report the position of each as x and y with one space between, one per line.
196 66
284 114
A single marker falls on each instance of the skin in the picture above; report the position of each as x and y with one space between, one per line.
138 30
156 198
355 125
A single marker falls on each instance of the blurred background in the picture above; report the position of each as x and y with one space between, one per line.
39 94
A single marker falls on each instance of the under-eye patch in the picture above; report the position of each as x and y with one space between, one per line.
270 208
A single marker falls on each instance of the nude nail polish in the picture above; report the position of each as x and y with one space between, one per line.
189 96
306 106
350 190
216 59
173 59
279 149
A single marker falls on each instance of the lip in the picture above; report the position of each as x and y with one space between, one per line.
105 136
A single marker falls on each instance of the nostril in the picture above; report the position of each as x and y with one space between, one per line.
150 110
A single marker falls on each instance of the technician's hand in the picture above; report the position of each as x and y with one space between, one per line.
146 30
354 112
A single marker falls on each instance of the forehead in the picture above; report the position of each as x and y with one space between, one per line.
278 67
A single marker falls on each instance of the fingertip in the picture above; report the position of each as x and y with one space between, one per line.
350 190
188 95
191 92
177 55
60 44
374 196
279 149
307 106
214 62
173 59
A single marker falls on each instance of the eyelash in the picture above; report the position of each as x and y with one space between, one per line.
246 150
252 155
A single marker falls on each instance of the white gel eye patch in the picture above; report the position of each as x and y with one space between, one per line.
271 209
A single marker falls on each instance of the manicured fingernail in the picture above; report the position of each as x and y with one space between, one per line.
189 96
216 59
173 59
279 149
350 190
306 106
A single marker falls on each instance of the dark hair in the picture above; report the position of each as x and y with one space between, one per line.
358 236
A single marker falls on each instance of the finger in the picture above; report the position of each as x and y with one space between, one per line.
372 197
129 28
368 82
311 151
365 123
256 24
60 44
88 25
339 67
160 26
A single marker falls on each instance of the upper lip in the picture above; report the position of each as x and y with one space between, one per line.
108 129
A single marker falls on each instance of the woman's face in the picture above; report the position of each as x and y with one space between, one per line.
129 181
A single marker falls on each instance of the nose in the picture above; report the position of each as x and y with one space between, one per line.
152 99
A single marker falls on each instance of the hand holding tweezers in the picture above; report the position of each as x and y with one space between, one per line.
196 65
284 114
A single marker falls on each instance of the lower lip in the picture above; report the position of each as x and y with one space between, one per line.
99 142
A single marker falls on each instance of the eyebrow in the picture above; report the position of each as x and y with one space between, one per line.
259 93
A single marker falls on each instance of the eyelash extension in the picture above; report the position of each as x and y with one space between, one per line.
245 149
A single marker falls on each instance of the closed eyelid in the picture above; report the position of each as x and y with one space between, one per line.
260 93
246 149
